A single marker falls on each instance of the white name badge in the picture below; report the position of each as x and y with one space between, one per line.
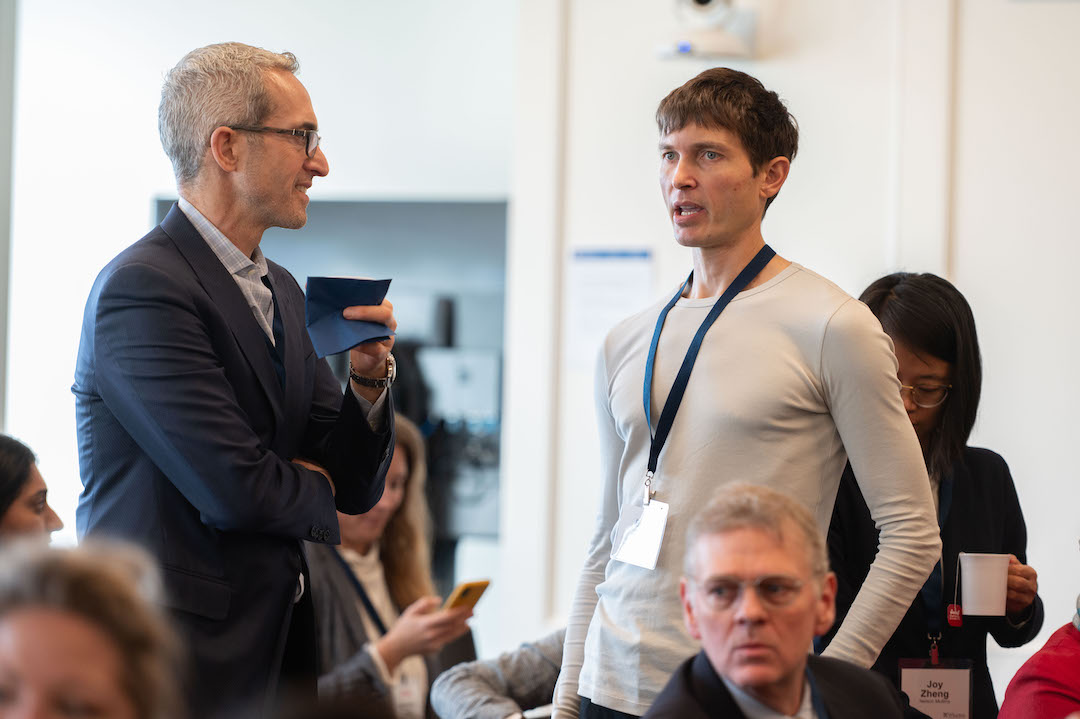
639 534
941 691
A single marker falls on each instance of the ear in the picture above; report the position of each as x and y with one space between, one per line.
773 175
688 609
226 148
825 609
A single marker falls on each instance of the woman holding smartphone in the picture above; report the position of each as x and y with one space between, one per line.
940 372
383 636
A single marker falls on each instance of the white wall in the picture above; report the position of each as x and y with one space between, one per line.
936 136
1015 255
7 93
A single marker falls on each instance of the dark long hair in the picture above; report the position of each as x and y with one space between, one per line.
15 462
929 314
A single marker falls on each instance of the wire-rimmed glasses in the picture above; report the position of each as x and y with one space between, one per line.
926 395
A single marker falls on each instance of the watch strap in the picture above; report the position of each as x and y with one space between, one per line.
380 382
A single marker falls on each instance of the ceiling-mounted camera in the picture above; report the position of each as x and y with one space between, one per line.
703 12
713 28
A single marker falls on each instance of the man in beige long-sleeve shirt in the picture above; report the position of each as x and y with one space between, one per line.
793 378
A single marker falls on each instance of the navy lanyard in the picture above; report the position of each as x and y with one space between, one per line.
815 697
671 405
931 592
362 594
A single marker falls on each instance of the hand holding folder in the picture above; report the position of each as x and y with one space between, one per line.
327 297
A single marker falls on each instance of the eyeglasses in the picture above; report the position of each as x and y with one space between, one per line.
926 395
311 137
774 591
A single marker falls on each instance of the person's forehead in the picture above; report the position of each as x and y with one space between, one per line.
752 552
919 364
292 104
71 644
694 133
34 480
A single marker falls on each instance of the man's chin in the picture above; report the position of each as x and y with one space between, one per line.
687 239
752 677
294 222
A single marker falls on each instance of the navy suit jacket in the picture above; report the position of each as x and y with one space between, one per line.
695 691
186 432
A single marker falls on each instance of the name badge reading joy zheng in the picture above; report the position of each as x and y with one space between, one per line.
941 691
639 534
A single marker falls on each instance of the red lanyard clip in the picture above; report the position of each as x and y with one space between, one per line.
933 647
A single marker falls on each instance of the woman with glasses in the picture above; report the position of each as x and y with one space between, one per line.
937 350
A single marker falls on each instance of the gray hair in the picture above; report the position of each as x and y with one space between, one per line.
751 506
116 588
215 85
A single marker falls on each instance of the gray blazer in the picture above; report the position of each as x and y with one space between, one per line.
345 667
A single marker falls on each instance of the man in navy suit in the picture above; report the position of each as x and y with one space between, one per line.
756 590
209 432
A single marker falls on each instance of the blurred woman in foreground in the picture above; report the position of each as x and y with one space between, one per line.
81 635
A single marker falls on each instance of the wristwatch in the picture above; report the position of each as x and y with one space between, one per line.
381 383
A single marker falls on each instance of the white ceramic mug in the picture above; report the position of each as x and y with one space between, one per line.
984 582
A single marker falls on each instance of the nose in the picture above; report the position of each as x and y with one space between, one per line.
748 607
682 175
317 164
53 523
909 399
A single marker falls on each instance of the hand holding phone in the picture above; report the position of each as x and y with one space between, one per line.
466 594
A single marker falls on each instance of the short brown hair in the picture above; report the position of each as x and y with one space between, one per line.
731 100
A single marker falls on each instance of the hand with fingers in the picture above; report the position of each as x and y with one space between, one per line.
424 627
317 468
369 360
1023 585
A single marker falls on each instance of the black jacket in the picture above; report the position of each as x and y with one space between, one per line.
985 516
695 691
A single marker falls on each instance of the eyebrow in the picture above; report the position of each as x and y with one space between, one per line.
936 377
699 146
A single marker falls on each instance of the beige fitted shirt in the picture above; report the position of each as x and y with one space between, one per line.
793 379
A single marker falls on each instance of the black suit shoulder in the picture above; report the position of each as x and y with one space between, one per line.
683 696
851 691
155 249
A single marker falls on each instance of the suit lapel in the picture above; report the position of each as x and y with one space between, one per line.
229 300
708 689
